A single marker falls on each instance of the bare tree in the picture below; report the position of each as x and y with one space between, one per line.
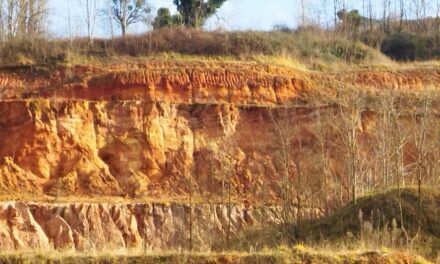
325 10
349 132
424 16
325 161
437 16
402 14
90 10
386 4
303 12
128 12
288 141
399 141
370 14
418 13
386 103
2 22
11 13
421 117
335 12
433 122
69 23
227 171
22 18
38 11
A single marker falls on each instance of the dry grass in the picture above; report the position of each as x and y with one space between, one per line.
316 48
303 254
283 254
378 228
306 48
136 257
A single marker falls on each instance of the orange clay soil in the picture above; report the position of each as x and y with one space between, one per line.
160 131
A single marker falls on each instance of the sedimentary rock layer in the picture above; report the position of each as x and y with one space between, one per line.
215 132
168 82
138 149
200 82
89 227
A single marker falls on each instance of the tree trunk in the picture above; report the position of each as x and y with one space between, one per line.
123 29
2 31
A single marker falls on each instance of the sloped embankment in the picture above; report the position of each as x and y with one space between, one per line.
384 219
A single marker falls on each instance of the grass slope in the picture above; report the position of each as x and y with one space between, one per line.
374 222
314 48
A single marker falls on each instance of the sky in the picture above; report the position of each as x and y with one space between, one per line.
233 15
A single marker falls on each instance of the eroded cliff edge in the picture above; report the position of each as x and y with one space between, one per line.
141 130
170 131
94 227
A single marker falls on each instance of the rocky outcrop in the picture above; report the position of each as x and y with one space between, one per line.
90 227
165 82
136 149
18 228
155 150
167 131
200 82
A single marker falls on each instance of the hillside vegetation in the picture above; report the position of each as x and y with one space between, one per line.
315 48
393 219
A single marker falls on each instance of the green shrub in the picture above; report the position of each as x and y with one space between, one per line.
400 46
403 46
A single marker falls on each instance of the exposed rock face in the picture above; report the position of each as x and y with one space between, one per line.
170 131
130 148
150 150
140 132
88 227
19 230
167 82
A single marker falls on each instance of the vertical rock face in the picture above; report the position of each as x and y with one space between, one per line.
211 133
134 148
19 230
154 130
89 227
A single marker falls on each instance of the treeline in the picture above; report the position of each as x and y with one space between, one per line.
405 30
27 18
22 18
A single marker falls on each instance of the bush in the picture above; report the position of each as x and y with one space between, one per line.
403 46
400 46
